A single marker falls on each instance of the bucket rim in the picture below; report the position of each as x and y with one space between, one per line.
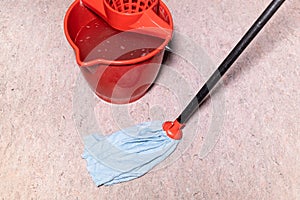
114 62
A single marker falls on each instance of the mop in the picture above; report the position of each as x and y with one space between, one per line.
132 152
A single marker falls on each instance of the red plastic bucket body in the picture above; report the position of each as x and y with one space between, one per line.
116 80
121 85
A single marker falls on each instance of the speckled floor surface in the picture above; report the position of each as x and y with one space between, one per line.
254 153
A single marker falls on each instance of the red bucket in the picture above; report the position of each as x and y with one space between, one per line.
119 66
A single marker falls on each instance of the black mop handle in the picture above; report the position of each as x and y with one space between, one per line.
229 60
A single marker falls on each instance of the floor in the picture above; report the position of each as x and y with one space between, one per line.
243 143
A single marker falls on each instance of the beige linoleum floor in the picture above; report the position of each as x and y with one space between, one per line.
256 155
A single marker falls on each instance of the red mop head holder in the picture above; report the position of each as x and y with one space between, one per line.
142 16
173 129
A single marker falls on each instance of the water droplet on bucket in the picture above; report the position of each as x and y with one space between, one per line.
122 47
107 41
143 50
105 49
88 26
88 37
80 40
144 54
99 50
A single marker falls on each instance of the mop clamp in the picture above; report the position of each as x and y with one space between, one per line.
173 129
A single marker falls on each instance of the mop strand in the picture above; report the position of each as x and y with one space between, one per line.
126 154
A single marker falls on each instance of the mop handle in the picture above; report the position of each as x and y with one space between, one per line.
229 60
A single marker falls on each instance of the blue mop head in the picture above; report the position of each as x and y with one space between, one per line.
126 154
